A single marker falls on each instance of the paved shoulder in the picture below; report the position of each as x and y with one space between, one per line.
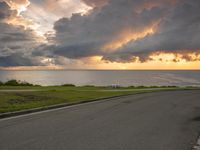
151 121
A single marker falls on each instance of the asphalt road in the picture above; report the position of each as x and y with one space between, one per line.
151 121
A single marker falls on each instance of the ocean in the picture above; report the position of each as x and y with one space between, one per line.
106 78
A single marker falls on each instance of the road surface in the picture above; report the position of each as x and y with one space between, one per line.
167 120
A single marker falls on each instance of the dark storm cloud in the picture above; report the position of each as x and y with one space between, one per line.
85 35
176 26
16 42
12 34
70 51
5 11
177 30
17 59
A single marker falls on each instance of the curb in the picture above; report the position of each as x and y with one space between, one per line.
29 111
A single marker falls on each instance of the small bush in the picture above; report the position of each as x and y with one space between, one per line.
141 87
11 83
16 83
25 83
154 87
170 86
69 85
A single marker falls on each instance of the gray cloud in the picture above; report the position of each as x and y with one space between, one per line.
177 30
176 23
5 11
17 59
85 35
96 3
16 42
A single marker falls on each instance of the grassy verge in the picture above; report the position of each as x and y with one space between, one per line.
15 98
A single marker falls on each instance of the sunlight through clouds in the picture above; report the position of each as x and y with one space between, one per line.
121 34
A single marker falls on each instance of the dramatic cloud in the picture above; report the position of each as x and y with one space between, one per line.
21 34
19 5
115 23
177 32
57 32
16 42
126 31
6 12
46 12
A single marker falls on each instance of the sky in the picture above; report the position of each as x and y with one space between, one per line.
99 34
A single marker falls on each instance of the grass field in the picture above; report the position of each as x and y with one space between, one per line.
15 98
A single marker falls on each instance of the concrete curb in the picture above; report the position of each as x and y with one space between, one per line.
29 111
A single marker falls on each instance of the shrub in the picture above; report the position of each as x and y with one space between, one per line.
69 85
17 83
24 83
12 83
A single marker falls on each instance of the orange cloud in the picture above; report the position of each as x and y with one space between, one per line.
19 5
158 61
126 36
17 19
177 57
96 62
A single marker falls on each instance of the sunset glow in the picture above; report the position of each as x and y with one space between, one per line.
90 34
126 36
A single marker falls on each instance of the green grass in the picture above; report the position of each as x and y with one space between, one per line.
37 96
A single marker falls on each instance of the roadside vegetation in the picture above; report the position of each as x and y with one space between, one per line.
17 95
15 83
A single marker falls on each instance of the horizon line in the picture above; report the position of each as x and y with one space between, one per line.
99 69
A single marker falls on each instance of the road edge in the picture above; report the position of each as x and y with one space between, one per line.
63 105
